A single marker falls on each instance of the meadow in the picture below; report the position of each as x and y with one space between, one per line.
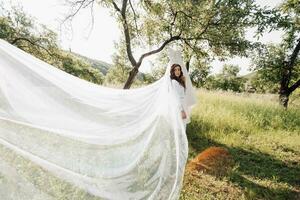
262 137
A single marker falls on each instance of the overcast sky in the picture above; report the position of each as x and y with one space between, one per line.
99 44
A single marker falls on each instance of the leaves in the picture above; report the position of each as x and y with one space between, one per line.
21 30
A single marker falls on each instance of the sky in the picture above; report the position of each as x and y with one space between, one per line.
99 42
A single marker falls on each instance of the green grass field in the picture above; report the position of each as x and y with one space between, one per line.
263 139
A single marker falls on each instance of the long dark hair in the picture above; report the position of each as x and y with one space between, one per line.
181 78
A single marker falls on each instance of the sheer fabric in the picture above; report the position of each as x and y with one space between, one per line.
190 98
112 143
179 91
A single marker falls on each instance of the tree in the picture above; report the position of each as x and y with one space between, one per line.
280 64
274 68
208 28
21 30
260 84
199 72
118 72
79 68
228 79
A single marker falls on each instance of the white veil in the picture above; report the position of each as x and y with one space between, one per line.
175 57
63 136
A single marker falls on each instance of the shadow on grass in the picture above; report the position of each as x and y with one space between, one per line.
250 163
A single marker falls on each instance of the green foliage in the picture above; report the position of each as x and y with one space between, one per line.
269 67
227 80
219 25
119 72
97 64
262 85
79 68
272 62
21 30
290 21
159 66
155 74
199 71
295 98
205 29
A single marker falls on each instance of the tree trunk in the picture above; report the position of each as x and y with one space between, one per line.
284 85
284 99
187 65
286 75
131 77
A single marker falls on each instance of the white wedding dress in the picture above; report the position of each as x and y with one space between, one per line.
180 93
112 143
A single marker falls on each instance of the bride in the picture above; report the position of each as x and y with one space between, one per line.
178 83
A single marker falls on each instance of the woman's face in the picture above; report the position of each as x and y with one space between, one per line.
177 71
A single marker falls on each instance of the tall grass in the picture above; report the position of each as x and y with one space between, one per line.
263 138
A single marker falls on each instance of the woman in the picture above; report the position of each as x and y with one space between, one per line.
179 85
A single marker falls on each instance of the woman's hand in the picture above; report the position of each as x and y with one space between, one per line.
183 114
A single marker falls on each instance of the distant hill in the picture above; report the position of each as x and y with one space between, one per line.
98 64
101 65
249 76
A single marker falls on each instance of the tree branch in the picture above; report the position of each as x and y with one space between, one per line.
287 73
294 54
294 87
124 6
31 42
193 47
82 4
134 16
173 22
159 49
122 11
202 32
116 7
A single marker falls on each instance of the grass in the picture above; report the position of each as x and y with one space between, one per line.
43 184
263 139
